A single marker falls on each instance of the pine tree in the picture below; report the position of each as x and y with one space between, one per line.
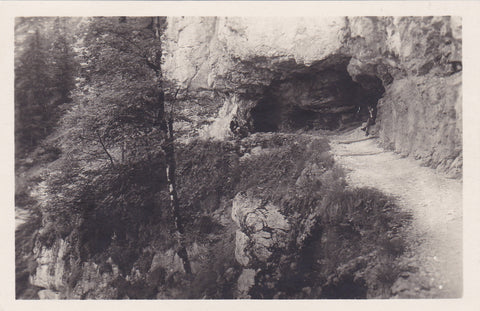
63 66
32 95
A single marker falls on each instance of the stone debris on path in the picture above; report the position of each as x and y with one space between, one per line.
434 255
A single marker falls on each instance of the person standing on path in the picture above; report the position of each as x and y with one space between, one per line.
370 120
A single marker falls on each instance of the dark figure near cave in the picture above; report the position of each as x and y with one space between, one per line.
234 125
370 120
357 112
236 129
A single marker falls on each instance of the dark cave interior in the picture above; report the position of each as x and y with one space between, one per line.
320 96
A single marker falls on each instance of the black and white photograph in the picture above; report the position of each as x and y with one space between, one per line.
238 157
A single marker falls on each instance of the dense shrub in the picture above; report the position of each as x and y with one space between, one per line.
274 171
110 208
206 172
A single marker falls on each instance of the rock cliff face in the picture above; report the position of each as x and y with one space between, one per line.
283 74
261 239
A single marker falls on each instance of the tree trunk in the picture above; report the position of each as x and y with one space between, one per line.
166 126
169 149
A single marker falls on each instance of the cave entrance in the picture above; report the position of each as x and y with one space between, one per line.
320 96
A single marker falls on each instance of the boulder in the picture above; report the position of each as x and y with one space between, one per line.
50 265
48 294
245 282
263 230
168 260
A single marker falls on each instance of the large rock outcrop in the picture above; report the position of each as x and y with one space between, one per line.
282 74
261 239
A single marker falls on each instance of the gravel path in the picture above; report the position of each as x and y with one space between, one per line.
434 237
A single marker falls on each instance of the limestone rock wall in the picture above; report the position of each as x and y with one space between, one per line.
417 60
63 277
261 240
51 266
202 51
422 117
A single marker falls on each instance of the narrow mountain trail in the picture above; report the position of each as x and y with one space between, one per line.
432 263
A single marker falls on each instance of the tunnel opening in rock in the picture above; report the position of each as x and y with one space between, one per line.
320 96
